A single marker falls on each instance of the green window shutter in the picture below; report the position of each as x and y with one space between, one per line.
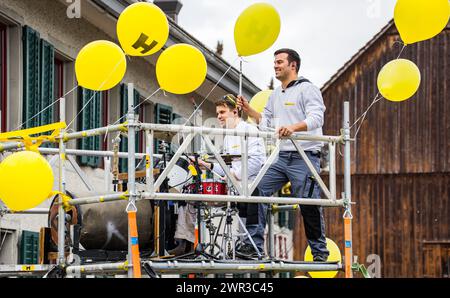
38 81
31 75
90 118
123 163
47 73
163 115
29 248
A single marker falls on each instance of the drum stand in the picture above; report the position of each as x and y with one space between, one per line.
228 240
200 245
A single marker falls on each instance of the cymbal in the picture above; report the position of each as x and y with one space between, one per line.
228 158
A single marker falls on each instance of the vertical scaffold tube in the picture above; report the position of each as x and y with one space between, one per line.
348 253
133 240
62 187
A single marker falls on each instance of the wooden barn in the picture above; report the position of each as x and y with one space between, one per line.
401 161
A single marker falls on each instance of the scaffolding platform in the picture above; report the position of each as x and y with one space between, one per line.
243 188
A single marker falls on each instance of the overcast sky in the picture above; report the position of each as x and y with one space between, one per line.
326 33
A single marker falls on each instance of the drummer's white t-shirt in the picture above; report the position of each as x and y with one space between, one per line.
256 152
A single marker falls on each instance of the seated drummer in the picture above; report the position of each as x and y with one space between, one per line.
229 117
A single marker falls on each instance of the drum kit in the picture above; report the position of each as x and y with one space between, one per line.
213 218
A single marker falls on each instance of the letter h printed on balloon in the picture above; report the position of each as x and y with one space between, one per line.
142 43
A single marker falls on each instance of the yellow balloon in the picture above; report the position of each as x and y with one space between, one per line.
142 29
26 180
256 29
181 69
399 80
335 256
419 20
100 65
259 101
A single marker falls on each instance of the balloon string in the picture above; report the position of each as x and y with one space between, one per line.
207 96
82 109
376 99
95 92
46 108
123 116
363 116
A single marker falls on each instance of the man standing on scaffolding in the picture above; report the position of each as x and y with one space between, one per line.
294 107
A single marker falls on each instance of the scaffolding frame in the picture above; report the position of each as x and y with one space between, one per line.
244 190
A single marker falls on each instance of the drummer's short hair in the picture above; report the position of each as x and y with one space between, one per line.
229 101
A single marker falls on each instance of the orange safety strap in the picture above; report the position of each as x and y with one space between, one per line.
135 257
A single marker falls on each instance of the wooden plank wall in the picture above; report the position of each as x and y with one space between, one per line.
401 159
393 215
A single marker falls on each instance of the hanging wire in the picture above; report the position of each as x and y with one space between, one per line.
207 96
376 99
82 109
123 116
46 108
95 92
363 116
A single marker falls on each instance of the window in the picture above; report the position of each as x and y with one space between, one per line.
90 118
38 82
3 78
58 85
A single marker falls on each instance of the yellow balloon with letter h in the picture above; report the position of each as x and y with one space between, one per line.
142 29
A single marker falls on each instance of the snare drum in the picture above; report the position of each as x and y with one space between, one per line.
208 187
214 187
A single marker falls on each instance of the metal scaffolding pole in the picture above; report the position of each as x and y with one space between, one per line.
347 194
206 198
62 188
77 152
181 267
149 164
95 132
241 199
133 243
24 270
233 132
98 268
67 137
31 211
332 171
99 199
